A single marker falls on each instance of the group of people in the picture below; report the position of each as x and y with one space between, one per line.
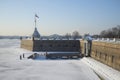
33 56
22 56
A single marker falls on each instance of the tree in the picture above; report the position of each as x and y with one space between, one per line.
95 36
115 32
75 35
118 34
68 36
111 33
103 33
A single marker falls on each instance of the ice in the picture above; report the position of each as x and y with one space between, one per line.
12 68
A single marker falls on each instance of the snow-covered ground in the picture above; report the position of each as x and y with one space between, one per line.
103 70
12 68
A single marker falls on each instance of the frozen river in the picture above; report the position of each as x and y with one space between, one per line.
12 68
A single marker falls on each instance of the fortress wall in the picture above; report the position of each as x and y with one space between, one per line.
51 45
57 45
82 46
107 53
27 44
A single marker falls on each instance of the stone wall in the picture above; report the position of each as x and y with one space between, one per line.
51 45
82 46
27 44
57 45
107 53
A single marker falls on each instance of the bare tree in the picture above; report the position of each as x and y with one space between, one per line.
111 33
103 33
75 35
115 32
68 36
118 34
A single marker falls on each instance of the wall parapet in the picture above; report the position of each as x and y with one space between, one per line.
107 53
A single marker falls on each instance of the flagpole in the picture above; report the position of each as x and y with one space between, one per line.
36 19
35 22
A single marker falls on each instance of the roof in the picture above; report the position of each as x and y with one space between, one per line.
36 34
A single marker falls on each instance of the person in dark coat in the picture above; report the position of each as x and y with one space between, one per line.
23 55
20 57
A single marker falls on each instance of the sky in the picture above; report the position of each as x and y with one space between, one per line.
58 16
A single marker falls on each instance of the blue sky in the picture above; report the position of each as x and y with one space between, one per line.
58 16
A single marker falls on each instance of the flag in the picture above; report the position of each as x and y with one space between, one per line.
36 16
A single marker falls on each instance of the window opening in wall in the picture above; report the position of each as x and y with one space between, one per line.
84 47
112 59
41 45
100 55
59 45
105 57
51 45
74 45
66 45
96 53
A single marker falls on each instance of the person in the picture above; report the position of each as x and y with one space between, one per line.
23 55
21 38
20 57
46 53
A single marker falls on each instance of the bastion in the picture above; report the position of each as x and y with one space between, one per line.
105 52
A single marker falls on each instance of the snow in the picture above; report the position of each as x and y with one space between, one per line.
12 68
103 70
108 40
